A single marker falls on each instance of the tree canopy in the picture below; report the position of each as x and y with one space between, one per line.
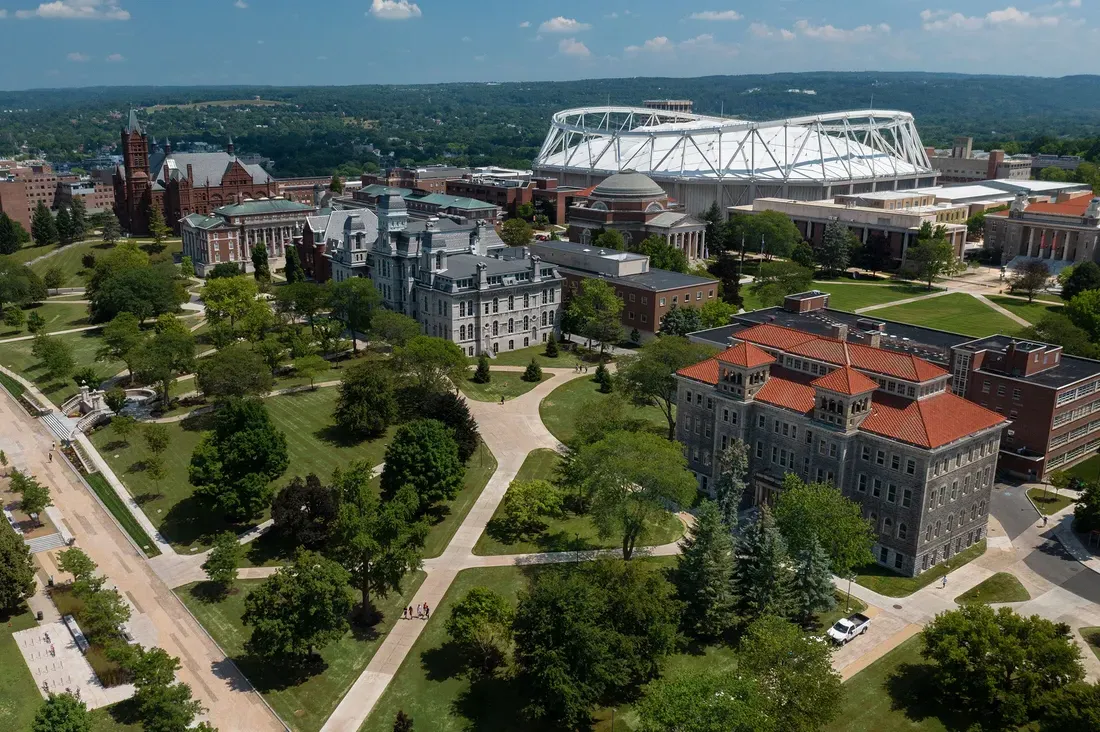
649 377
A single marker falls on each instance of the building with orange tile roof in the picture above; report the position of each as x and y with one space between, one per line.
882 425
1059 232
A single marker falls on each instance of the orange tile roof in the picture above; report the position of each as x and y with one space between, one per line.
1072 207
845 380
831 350
787 394
931 422
706 371
747 355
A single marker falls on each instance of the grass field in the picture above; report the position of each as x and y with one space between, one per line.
1032 312
1047 502
956 312
1088 470
883 581
1092 638
893 694
58 316
571 532
1001 587
70 259
565 359
560 408
479 469
314 445
118 509
19 697
509 384
303 703
18 357
851 297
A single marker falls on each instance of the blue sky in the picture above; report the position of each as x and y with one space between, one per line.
62 43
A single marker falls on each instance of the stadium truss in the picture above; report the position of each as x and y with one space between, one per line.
802 157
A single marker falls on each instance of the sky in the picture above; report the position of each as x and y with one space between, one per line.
66 43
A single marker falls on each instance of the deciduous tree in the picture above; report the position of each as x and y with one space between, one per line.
716 313
678 321
597 309
394 329
310 367
55 354
353 302
62 713
806 512
480 624
662 254
524 506
304 511
122 338
1029 277
516 232
776 280
705 699
221 564
932 256
435 363
649 377
146 292
367 404
16 571
1085 276
163 357
424 456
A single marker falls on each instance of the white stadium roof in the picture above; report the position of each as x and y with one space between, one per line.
841 146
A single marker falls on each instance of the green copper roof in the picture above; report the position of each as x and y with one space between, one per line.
272 205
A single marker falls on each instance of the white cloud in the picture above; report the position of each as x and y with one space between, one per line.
612 15
78 57
660 44
240 4
832 33
561 24
394 9
573 47
525 24
3 13
77 10
760 30
116 57
944 20
716 15
466 39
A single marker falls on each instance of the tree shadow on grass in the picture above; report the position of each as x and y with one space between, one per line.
269 547
191 521
491 703
142 498
208 592
199 422
124 713
337 437
563 541
267 675
914 692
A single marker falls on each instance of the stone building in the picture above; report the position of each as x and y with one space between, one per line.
1060 232
458 280
229 234
882 426
635 206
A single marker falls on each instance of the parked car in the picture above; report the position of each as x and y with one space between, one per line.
848 628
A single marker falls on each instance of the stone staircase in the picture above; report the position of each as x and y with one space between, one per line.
45 543
61 426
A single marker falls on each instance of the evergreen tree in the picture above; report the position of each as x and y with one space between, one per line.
812 585
482 375
43 227
9 238
704 575
78 219
64 226
551 346
293 271
261 268
453 411
187 266
533 372
111 230
603 378
733 466
157 226
762 578
836 244
336 185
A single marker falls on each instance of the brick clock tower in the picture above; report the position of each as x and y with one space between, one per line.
133 205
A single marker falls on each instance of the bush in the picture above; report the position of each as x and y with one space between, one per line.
603 378
481 374
533 373
551 346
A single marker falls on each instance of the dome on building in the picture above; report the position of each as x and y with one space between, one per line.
354 223
629 185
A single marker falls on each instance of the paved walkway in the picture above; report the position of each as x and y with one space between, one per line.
1002 310
510 431
213 678
906 301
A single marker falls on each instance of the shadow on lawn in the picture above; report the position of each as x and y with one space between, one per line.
190 521
491 703
914 692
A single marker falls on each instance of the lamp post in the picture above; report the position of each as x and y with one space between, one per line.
848 600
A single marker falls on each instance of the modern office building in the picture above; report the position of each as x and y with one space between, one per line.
647 293
963 164
881 425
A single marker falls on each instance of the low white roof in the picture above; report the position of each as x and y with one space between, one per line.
963 193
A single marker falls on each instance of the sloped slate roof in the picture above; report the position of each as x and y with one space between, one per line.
207 168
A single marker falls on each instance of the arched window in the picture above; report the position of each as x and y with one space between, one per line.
586 236
654 208
495 328
526 342
950 522
511 302
939 525
462 332
874 519
973 512
981 508
903 531
887 525
598 206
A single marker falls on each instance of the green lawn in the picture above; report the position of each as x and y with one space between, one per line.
19 697
30 251
883 581
509 384
560 408
118 509
69 259
956 312
479 469
58 316
893 694
521 357
1001 587
303 703
1047 502
1029 311
571 532
18 357
314 445
1092 638
1088 470
851 297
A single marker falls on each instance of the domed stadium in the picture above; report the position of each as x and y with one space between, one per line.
699 159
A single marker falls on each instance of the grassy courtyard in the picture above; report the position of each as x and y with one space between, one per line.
1032 312
956 313
560 408
1047 501
18 357
1001 587
58 316
303 702
1087 470
507 384
521 357
852 297
1092 638
314 445
570 532
885 582
70 259
19 697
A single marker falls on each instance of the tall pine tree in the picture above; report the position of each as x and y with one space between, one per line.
157 227
733 465
704 575
762 576
294 272
9 237
64 226
261 268
43 227
78 218
812 584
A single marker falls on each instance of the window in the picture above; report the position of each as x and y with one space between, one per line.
880 457
866 453
906 497
821 447
1000 390
809 437
898 560
761 421
833 449
632 297
954 489
876 488
759 449
928 533
985 387
861 484
496 305
910 466
891 492
511 345
903 531
939 525
511 302
887 525
884 555
662 302
931 500
775 454
895 462
1015 395
775 426
725 415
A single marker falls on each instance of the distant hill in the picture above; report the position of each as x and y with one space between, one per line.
315 129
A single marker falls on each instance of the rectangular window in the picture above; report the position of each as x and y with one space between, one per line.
911 466
662 302
775 426
1000 390
1016 395
725 415
809 437
985 387
786 429
761 421
821 447
906 498
833 449
759 448
861 485
891 492
866 455
880 457
775 454
876 487
895 462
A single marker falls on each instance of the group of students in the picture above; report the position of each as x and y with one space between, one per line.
422 612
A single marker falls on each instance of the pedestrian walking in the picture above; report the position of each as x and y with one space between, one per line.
404 613
410 612
419 611
943 582
51 456
1045 520
427 612
502 400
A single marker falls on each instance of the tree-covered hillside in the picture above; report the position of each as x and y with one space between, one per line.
313 130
